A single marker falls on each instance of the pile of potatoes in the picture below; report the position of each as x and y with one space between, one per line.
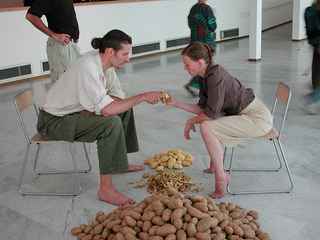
171 215
173 159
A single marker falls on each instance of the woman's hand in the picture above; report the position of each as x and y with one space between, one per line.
187 129
171 101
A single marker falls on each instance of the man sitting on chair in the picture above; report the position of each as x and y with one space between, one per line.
87 104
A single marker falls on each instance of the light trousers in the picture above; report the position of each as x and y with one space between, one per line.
61 57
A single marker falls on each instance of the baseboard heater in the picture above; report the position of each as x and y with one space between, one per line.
149 47
15 71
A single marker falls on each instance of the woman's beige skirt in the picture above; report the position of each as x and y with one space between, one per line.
254 121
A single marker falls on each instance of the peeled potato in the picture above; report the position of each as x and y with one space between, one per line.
169 159
165 96
160 168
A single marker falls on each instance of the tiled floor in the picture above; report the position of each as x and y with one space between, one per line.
291 216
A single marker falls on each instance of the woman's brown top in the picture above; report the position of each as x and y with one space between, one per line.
219 91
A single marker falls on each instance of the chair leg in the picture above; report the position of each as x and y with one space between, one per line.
255 169
75 171
88 160
230 170
23 169
67 171
286 165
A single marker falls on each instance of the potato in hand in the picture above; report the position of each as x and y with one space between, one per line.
165 96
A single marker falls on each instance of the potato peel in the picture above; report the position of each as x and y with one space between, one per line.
170 178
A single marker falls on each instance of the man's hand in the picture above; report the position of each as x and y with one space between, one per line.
122 105
62 37
37 22
152 97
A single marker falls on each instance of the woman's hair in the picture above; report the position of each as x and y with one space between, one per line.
198 50
113 39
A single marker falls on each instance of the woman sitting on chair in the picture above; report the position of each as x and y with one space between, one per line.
244 115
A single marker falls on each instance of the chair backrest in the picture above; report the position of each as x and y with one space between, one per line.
284 95
22 101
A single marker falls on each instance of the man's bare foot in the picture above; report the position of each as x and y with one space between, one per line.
133 168
114 197
221 186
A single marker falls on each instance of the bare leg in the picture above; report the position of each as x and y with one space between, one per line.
210 169
214 149
108 193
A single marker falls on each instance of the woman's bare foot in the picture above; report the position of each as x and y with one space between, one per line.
114 197
221 186
210 169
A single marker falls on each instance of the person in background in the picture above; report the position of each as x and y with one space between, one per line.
202 23
87 104
245 115
63 32
311 99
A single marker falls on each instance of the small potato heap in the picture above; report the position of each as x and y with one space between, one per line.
171 215
174 158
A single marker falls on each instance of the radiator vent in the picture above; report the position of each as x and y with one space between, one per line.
15 71
229 33
45 66
178 42
146 48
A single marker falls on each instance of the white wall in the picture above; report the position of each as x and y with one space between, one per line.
145 22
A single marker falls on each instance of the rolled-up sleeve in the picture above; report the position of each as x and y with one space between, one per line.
104 102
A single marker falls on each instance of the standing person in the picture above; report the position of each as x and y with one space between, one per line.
63 32
87 104
202 24
312 18
246 116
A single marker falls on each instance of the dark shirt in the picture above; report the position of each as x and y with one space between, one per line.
28 2
219 91
60 14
